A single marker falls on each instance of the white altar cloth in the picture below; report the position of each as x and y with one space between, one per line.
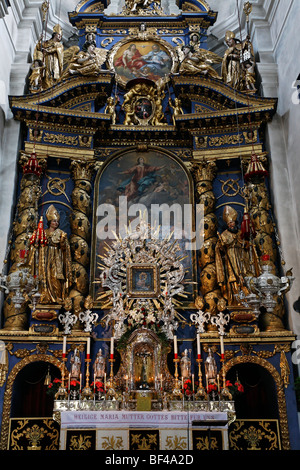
140 419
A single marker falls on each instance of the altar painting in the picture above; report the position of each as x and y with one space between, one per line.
142 183
142 59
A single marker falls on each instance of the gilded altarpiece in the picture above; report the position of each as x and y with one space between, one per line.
143 112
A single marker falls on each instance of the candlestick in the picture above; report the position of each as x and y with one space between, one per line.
201 394
87 392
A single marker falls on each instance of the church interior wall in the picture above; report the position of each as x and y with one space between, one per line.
273 33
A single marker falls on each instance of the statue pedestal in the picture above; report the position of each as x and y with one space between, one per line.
243 320
44 319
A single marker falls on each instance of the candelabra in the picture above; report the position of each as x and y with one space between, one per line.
177 393
111 392
200 318
88 318
201 393
67 319
62 393
221 321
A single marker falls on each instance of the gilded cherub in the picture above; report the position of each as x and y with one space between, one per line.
111 107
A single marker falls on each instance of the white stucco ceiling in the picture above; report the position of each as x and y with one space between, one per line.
225 8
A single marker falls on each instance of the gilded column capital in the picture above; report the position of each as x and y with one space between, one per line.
83 170
203 170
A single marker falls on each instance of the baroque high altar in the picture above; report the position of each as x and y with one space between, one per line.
144 270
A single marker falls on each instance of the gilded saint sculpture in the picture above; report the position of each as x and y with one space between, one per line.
238 65
75 365
50 54
53 264
99 365
235 259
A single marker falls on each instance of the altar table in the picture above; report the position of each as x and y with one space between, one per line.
135 430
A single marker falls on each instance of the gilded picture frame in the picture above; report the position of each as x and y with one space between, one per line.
151 58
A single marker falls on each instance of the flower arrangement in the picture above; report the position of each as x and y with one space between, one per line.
235 388
53 387
141 317
74 385
98 386
212 387
187 388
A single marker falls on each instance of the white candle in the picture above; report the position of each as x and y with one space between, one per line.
175 345
198 345
222 345
88 346
64 345
112 346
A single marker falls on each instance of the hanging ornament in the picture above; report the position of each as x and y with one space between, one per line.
255 168
32 166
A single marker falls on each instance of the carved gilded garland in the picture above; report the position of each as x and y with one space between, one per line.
9 389
279 386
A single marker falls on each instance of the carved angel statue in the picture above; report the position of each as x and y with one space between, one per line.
87 62
193 61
